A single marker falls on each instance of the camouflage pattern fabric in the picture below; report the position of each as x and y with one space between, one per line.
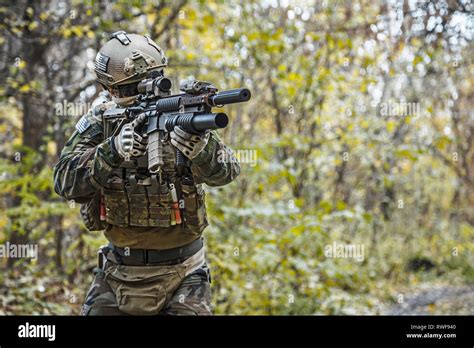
87 168
191 297
89 164
88 160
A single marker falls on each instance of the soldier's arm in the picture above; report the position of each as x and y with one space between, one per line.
215 165
86 163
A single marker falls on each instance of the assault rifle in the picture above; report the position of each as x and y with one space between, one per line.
191 110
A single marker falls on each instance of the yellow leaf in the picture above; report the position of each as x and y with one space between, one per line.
390 126
24 88
417 60
32 26
291 91
21 64
43 16
77 31
298 230
442 142
294 77
67 33
208 20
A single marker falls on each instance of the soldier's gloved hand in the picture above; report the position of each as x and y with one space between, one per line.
189 144
129 142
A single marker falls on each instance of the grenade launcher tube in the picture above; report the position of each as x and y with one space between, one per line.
196 123
190 122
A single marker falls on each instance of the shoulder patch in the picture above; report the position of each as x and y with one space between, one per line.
83 124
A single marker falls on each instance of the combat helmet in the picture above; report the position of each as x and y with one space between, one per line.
125 60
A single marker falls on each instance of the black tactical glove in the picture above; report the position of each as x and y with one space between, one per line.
189 144
129 142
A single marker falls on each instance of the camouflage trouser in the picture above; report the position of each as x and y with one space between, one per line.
148 290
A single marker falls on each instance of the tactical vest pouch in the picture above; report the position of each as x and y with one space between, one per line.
90 213
117 207
195 208
138 200
160 204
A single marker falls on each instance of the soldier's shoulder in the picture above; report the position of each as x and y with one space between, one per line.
92 120
97 110
102 103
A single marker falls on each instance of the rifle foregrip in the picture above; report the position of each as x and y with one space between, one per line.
155 152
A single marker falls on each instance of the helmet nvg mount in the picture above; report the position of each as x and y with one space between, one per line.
127 59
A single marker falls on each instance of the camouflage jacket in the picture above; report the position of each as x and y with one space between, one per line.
88 161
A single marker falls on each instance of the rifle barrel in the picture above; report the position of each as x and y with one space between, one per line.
231 96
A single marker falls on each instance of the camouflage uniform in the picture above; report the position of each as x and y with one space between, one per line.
190 295
138 212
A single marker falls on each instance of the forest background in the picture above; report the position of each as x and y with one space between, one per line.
361 122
